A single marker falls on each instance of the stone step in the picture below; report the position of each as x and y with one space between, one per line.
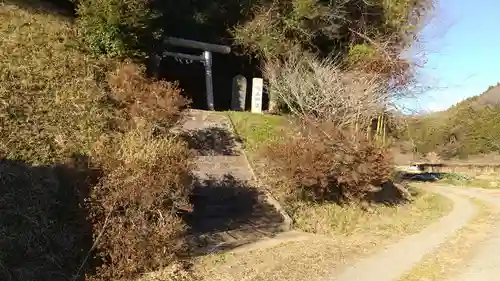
232 212
207 223
218 196
210 222
218 167
199 120
227 240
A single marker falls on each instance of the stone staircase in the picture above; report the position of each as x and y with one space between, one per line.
229 208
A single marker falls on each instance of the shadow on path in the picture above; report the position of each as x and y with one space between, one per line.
212 141
228 207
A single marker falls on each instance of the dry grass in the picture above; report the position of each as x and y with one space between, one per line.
174 272
450 256
44 231
51 112
294 261
75 127
52 104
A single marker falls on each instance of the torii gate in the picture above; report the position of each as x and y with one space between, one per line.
205 58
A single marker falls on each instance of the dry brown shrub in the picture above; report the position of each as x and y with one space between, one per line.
144 100
134 208
323 163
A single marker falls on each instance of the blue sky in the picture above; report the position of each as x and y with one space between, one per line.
462 44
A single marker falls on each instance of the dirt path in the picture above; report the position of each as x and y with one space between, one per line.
485 265
395 260
392 262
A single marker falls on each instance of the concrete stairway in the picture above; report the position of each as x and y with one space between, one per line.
229 210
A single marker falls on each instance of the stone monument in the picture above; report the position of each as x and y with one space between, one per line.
257 86
239 93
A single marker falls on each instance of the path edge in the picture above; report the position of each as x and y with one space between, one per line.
287 220
361 269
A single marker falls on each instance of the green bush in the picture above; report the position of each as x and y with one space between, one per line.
115 27
325 27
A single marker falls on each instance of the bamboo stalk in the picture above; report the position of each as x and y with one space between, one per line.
379 124
384 125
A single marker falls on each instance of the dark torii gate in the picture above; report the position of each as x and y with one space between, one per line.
205 58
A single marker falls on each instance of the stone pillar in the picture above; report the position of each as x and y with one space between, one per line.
257 86
239 93
209 87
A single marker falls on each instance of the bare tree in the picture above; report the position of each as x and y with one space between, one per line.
320 90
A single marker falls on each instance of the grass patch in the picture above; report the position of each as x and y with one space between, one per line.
380 221
472 183
257 130
488 182
52 104
448 258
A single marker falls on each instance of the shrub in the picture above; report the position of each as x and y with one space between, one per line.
115 27
134 207
453 176
144 101
147 178
323 163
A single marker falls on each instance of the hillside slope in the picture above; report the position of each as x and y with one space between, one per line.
76 145
469 128
489 98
